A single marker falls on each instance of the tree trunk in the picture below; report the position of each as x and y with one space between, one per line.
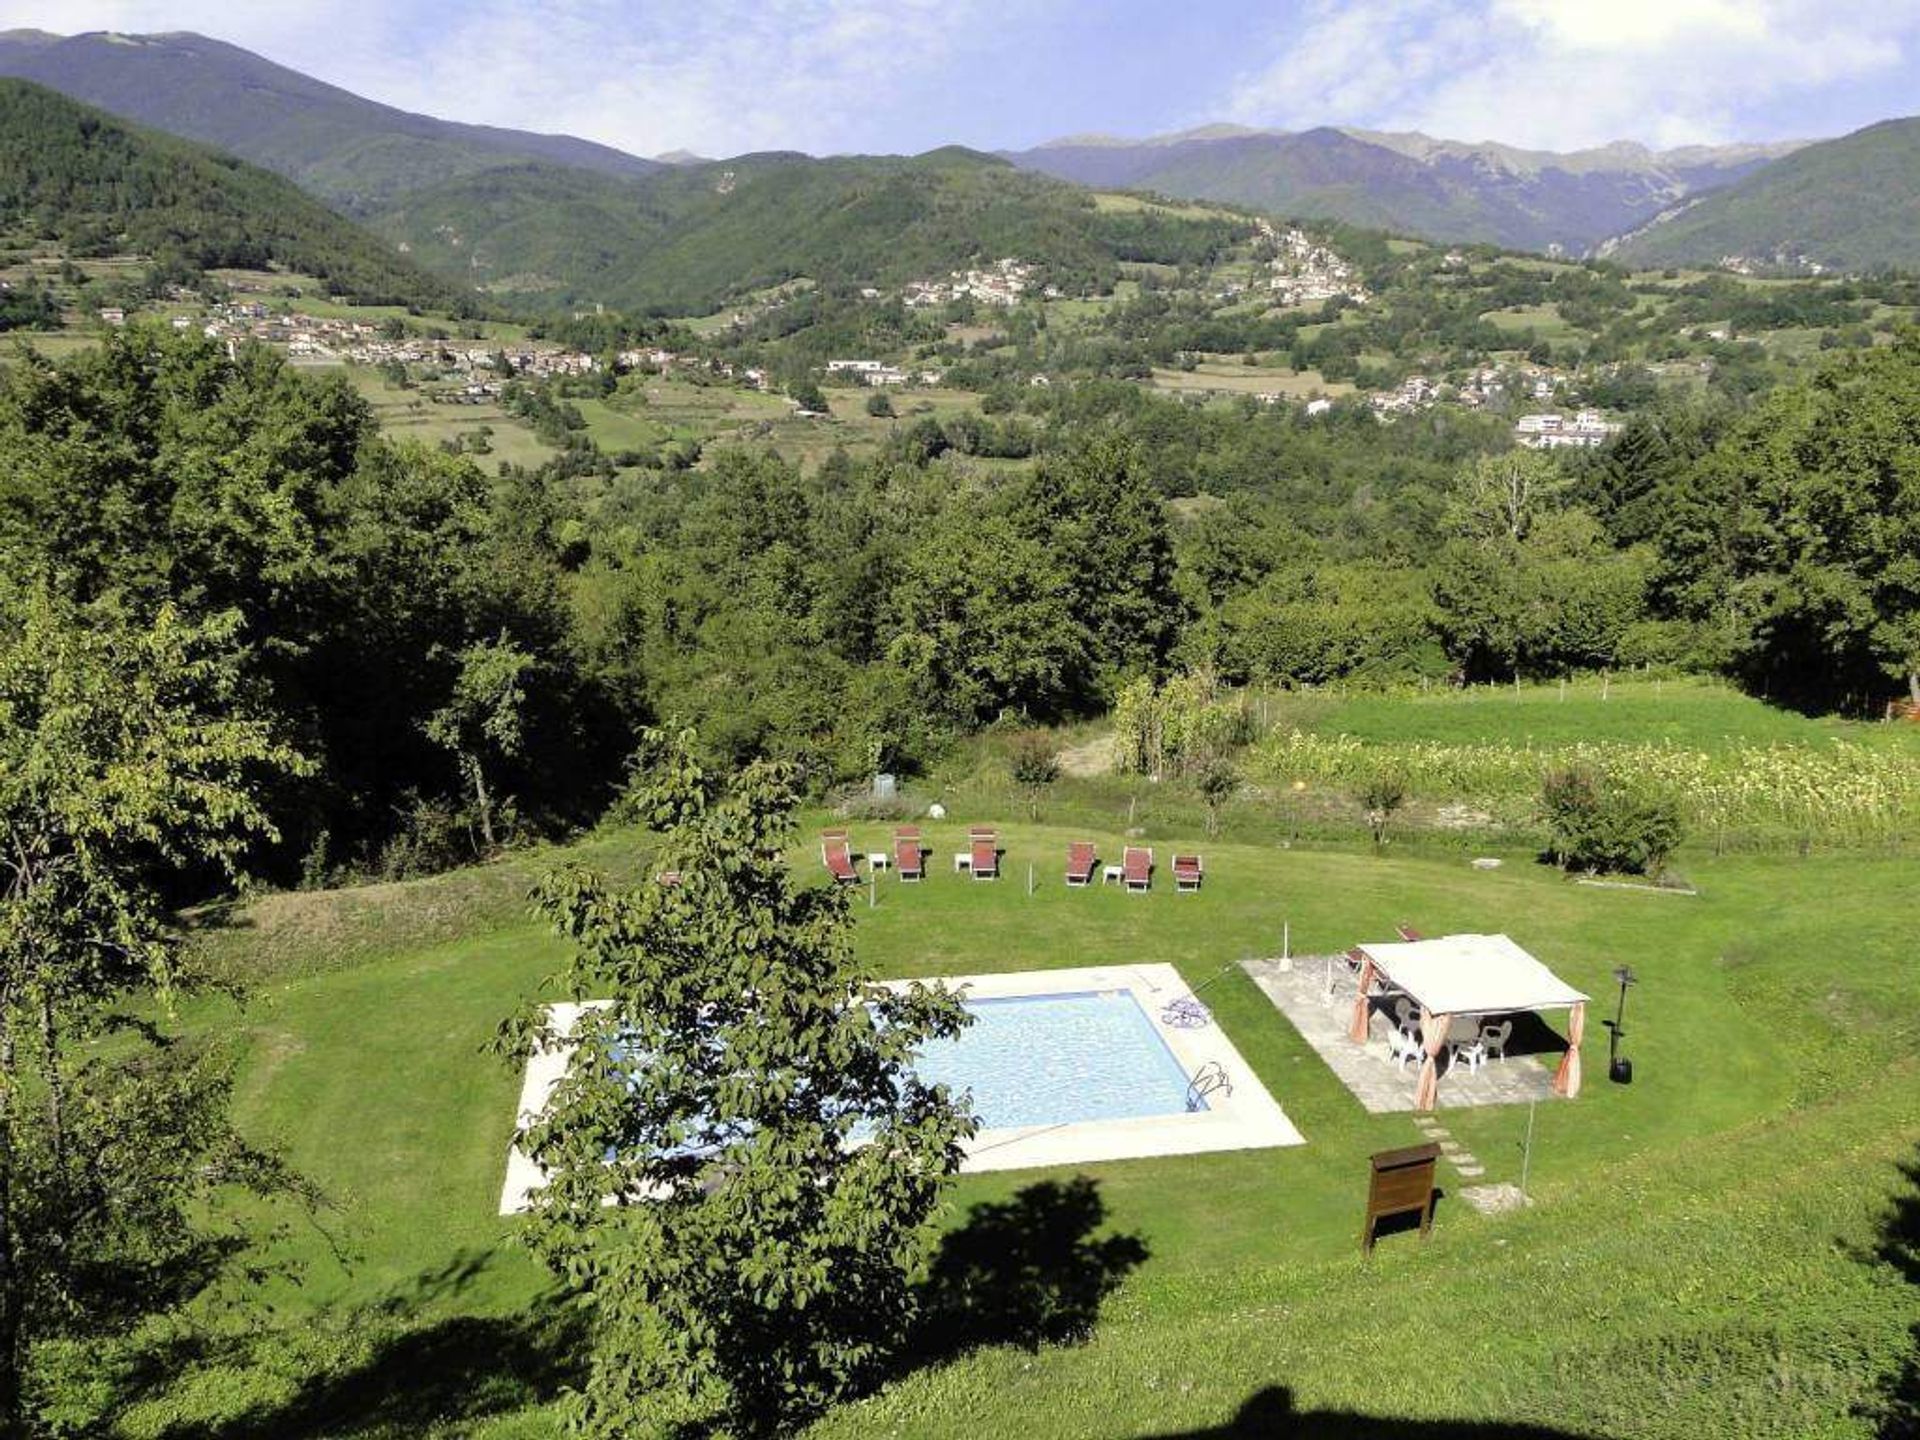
1913 685
12 1298
482 801
56 1086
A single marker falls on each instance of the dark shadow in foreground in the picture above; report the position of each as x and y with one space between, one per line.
405 1375
1028 1271
1899 1247
1270 1415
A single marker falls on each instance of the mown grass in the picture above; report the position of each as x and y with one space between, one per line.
1699 713
1696 1261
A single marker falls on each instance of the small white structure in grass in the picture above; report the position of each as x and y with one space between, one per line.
936 811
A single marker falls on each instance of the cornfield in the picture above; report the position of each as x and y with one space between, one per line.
1834 792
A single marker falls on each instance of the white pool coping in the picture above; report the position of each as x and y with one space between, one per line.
1248 1118
1245 1118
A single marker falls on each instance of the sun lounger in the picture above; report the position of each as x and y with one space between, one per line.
1407 932
1080 863
909 857
1186 872
1137 869
836 853
985 859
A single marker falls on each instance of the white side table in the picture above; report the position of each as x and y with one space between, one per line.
878 860
963 861
1112 874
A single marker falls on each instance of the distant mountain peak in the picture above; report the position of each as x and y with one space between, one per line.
355 152
1447 190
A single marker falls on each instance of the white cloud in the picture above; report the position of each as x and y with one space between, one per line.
724 75
1560 74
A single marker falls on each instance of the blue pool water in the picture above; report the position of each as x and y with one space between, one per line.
1056 1059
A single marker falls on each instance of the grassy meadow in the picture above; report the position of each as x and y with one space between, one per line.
1700 1256
410 415
1746 775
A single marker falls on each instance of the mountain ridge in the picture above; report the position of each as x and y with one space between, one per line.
1446 190
1851 203
355 153
695 235
76 174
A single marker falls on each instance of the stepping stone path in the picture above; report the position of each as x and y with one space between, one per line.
1451 1150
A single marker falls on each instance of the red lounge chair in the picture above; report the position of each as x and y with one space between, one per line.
1186 872
837 855
1407 932
1080 863
984 859
1137 869
908 856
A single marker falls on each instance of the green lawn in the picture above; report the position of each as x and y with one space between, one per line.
1545 322
1694 1263
1700 713
1233 377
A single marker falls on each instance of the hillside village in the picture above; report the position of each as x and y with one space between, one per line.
1305 271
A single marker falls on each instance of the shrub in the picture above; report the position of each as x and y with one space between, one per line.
1033 761
1381 794
1216 782
880 405
1597 823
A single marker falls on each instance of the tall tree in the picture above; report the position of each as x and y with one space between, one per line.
123 758
481 724
1503 496
744 1098
1826 480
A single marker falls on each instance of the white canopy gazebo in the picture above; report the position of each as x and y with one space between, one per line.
1456 976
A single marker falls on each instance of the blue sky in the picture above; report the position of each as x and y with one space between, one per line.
726 76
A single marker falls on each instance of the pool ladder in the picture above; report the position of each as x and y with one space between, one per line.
1209 1079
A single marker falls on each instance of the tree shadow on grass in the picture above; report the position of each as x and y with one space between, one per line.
1269 1415
1899 1247
1029 1271
383 1370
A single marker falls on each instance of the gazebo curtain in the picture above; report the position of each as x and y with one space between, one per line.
1566 1080
1362 1005
1433 1037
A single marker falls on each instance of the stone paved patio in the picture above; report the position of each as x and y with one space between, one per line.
1300 993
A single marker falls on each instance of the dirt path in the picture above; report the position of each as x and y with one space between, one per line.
1093 758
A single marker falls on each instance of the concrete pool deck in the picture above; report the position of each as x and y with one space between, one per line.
1241 1115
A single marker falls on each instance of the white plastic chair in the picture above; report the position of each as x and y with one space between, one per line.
1470 1053
1403 1045
1493 1039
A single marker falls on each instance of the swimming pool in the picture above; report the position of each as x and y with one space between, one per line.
1059 1059
1063 1067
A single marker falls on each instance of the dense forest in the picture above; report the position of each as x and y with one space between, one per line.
685 239
100 187
461 654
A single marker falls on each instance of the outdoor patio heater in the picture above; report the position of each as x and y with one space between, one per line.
1619 1067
